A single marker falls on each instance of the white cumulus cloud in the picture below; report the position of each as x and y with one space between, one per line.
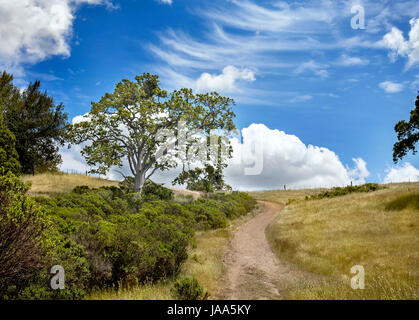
404 173
279 159
409 48
33 30
391 87
360 172
225 81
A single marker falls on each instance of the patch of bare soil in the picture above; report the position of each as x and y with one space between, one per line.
253 271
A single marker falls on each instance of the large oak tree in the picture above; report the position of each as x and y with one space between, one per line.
407 134
139 123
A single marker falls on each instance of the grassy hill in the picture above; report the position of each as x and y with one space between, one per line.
52 184
378 230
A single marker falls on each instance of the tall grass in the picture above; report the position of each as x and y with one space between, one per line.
53 184
326 237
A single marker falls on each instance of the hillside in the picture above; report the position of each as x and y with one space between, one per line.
51 184
378 230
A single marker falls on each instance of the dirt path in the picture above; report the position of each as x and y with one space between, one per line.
252 269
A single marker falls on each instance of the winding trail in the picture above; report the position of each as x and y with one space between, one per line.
253 272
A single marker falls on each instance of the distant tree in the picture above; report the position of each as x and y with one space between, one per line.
37 123
128 124
207 179
8 155
9 93
407 134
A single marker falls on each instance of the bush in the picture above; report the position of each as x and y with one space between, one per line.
22 226
338 191
126 241
151 192
207 214
30 246
81 189
187 289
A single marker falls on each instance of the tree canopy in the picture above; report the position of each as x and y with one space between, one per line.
407 134
8 155
142 125
36 122
207 179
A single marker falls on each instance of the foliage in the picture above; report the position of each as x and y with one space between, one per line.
138 122
407 134
24 272
22 225
129 241
338 191
37 123
152 191
187 289
104 238
8 155
207 179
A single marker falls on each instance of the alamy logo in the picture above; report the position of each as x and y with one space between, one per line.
358 21
358 280
58 280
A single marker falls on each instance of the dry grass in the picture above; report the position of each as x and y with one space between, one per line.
283 196
329 236
157 291
52 184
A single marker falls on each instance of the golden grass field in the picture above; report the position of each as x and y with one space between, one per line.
327 237
51 184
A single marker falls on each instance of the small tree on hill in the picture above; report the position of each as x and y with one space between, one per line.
207 179
407 134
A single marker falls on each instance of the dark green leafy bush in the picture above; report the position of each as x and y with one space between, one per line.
123 240
338 191
30 246
188 289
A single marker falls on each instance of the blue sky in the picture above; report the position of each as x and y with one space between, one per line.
298 67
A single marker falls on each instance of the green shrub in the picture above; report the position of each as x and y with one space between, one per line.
151 192
207 214
339 191
81 189
126 241
187 289
22 240
30 246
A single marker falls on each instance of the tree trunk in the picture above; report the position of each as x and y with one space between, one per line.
139 182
